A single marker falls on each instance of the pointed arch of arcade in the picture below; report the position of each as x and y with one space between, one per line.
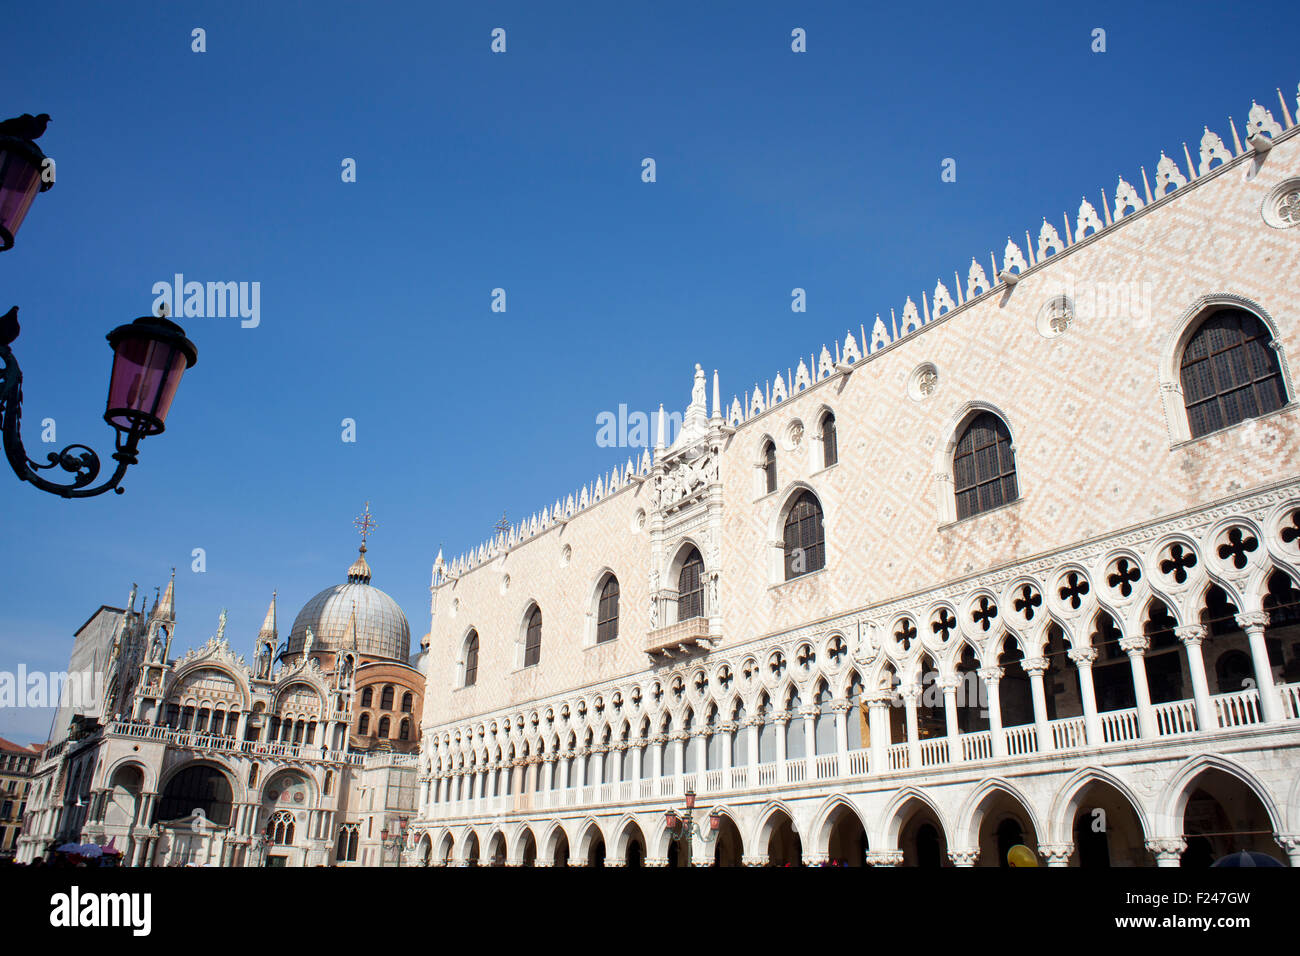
898 811
827 816
1172 803
627 829
469 841
444 848
550 842
1065 805
488 856
761 832
518 847
971 816
588 832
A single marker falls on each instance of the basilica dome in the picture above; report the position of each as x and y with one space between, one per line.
381 627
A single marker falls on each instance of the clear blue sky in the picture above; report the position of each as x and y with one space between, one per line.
519 171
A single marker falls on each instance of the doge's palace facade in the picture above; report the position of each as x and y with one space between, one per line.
1016 566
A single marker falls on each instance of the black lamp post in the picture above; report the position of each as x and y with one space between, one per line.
682 827
149 355
398 838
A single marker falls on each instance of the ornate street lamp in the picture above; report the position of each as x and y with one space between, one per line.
22 165
149 355
398 838
683 828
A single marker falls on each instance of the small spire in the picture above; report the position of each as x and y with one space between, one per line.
268 631
167 609
717 398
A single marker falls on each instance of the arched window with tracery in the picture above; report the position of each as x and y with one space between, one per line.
830 441
690 587
607 611
805 537
769 465
346 851
386 700
533 638
984 466
471 660
1230 372
279 829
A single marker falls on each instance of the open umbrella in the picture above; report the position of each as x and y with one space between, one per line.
68 848
90 850
1248 858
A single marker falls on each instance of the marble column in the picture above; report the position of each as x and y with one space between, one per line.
1083 661
992 677
1270 705
1192 635
1036 667
1136 648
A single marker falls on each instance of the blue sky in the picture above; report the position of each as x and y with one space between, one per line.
521 171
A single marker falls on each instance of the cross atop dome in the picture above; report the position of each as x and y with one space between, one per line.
365 524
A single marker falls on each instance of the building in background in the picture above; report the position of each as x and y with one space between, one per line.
17 764
1019 567
206 758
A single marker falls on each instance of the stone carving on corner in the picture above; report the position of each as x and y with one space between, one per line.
684 479
1167 176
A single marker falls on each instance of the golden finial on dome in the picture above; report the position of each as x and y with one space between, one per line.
360 571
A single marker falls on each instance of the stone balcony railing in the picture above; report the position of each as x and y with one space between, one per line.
1116 728
683 637
221 743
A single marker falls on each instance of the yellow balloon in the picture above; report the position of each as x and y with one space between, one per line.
1021 855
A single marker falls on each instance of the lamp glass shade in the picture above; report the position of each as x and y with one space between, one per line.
383 834
670 819
149 357
20 181
715 820
690 799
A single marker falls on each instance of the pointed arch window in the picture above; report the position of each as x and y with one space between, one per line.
690 587
607 611
769 465
984 466
1230 372
533 638
830 441
279 829
805 537
471 660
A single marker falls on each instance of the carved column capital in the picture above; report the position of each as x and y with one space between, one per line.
1133 646
1084 656
1056 854
1170 848
965 857
885 857
1191 634
1035 665
991 675
1253 621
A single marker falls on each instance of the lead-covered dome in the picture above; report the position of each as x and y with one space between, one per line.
381 628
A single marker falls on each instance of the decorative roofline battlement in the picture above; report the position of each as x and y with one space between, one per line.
1262 131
